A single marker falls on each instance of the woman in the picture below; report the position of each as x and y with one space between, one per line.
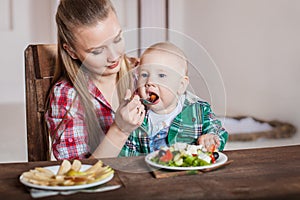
90 112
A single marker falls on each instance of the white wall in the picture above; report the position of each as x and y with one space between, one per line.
128 16
255 45
30 21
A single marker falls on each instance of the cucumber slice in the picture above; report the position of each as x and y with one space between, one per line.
204 157
177 157
179 162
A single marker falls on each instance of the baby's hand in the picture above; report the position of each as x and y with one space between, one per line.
209 141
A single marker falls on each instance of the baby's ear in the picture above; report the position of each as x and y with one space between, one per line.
184 82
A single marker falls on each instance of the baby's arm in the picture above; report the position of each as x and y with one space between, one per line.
213 132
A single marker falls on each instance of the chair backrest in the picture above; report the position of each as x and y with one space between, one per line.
39 69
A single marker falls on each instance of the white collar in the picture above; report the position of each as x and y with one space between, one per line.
159 121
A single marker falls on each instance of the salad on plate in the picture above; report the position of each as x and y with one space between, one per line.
185 155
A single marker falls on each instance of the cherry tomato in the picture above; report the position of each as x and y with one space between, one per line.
167 157
213 160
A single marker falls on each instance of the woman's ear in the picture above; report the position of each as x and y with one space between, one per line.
70 51
184 82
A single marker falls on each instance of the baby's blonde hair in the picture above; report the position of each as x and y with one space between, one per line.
169 48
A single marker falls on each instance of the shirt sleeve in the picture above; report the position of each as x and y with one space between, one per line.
131 146
65 121
212 125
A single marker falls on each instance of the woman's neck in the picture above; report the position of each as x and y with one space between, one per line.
105 80
108 88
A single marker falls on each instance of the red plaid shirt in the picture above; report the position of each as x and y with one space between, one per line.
70 141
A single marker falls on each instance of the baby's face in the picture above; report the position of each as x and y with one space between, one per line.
161 74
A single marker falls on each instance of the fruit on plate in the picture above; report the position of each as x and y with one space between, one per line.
68 174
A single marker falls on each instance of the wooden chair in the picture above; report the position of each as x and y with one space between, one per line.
39 69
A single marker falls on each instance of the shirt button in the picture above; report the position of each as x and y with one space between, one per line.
70 140
144 135
193 119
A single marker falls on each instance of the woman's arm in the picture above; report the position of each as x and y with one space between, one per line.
112 143
127 119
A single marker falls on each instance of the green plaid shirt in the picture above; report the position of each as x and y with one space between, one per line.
195 119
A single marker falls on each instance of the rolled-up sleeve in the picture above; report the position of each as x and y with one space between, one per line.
212 125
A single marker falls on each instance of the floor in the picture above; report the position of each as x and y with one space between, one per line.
13 136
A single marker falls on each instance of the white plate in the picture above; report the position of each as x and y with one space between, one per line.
54 169
221 160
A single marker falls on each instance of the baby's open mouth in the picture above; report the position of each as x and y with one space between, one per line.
153 97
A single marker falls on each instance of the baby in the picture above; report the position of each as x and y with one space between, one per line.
174 115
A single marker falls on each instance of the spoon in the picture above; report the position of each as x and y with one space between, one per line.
146 102
151 100
143 101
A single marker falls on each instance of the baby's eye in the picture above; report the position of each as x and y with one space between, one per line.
162 75
143 75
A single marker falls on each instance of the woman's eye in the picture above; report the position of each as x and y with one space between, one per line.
97 52
162 75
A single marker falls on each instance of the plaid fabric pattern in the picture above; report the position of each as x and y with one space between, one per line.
195 119
70 141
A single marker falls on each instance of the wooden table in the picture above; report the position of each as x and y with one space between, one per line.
266 173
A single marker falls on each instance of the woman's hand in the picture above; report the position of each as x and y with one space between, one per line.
209 141
130 113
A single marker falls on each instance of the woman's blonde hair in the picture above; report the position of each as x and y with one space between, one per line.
70 15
